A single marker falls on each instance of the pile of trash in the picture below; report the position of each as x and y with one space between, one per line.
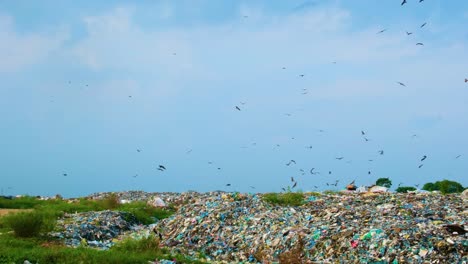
95 229
337 228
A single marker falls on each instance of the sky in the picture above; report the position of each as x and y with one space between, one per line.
106 91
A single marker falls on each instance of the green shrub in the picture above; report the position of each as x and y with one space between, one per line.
30 224
384 182
111 202
287 199
405 189
151 243
444 187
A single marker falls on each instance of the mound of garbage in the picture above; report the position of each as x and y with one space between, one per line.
340 228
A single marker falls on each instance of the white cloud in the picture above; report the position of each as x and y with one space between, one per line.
18 50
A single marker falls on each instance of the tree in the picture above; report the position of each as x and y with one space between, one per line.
385 182
444 187
405 189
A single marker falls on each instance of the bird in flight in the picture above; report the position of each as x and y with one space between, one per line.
423 24
339 158
363 133
420 1
65 174
466 80
309 147
419 44
188 151
312 171
134 176
294 185
284 68
424 157
402 84
252 187
382 31
457 156
161 168
138 150
408 33
302 75
381 152
228 184
420 166
404 2
237 108
291 161
369 172
292 179
366 139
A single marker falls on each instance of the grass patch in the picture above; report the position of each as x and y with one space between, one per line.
285 199
16 250
144 213
30 224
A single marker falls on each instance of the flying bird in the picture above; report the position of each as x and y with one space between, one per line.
329 172
228 184
423 24
381 152
366 139
309 147
466 80
419 44
134 176
382 31
302 75
138 150
65 174
188 151
408 33
161 168
339 158
363 133
292 179
457 156
237 108
294 185
402 84
312 171
423 158
291 161
284 68
252 187
421 1
420 166
404 2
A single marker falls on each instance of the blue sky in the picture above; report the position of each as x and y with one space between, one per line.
68 70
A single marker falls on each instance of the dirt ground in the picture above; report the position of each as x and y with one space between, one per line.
7 211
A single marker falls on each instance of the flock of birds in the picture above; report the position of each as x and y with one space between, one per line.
292 162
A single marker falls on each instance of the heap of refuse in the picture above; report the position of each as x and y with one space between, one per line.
336 228
95 229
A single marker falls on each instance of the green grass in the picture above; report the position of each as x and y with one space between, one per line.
144 213
29 224
285 199
16 250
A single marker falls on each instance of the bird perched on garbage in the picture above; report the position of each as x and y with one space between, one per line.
458 229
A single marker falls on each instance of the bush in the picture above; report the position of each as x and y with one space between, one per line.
444 187
30 224
290 198
111 202
384 182
405 189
